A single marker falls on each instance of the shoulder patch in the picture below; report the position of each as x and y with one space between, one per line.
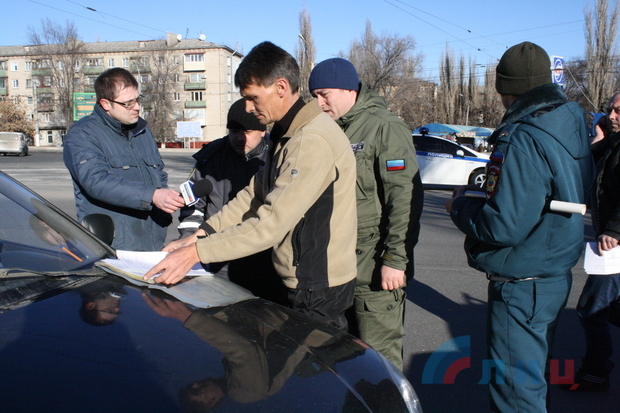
395 165
493 174
497 157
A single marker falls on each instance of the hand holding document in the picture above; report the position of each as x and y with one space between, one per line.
132 265
200 288
604 264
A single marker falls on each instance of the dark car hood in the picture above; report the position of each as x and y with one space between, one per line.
266 358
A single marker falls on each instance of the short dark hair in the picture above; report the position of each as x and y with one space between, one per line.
266 63
112 81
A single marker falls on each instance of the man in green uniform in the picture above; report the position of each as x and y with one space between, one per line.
389 202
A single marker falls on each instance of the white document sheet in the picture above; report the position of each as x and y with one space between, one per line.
604 264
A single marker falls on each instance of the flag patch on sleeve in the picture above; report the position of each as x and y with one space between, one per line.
395 165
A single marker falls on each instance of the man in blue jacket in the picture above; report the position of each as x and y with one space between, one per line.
116 167
540 154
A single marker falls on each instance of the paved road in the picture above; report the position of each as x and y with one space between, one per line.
446 299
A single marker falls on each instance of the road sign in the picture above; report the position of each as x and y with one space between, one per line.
558 70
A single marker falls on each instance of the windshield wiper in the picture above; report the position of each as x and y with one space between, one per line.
6 273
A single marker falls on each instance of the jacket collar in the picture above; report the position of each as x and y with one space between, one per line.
116 125
533 99
281 127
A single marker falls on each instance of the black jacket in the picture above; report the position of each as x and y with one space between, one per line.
606 197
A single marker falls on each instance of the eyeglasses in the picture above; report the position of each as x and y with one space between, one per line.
130 103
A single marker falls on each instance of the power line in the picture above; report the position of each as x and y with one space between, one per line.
87 18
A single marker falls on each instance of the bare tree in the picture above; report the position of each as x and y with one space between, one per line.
305 52
387 64
160 107
601 29
57 65
490 111
448 89
13 117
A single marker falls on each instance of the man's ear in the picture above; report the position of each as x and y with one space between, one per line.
282 86
105 104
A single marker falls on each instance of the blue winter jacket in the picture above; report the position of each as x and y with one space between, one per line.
541 153
116 174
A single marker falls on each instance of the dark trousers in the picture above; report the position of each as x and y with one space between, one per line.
521 322
599 307
324 304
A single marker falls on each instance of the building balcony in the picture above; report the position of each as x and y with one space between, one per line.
42 90
2 73
89 89
195 86
140 68
195 104
3 91
42 71
93 70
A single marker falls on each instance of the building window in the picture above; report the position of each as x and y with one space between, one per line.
143 78
194 57
228 61
3 65
197 96
142 44
14 66
28 82
47 117
176 96
15 83
30 100
175 78
93 62
47 81
28 66
195 77
63 134
2 84
110 62
90 80
50 135
16 100
125 62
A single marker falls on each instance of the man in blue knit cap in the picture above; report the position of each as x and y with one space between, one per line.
389 202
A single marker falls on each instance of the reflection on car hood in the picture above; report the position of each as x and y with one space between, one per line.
141 350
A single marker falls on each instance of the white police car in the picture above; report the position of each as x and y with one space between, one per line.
446 163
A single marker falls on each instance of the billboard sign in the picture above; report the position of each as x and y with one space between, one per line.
83 104
189 130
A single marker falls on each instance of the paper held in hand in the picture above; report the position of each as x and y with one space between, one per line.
132 265
605 264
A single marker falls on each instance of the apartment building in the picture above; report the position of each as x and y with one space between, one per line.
187 80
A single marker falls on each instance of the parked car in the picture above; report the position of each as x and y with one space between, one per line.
15 143
446 163
74 339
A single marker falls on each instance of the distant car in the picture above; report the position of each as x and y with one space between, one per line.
15 143
74 339
446 163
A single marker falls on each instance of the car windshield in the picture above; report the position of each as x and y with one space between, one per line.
36 236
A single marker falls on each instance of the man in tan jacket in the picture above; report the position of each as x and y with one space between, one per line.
302 203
